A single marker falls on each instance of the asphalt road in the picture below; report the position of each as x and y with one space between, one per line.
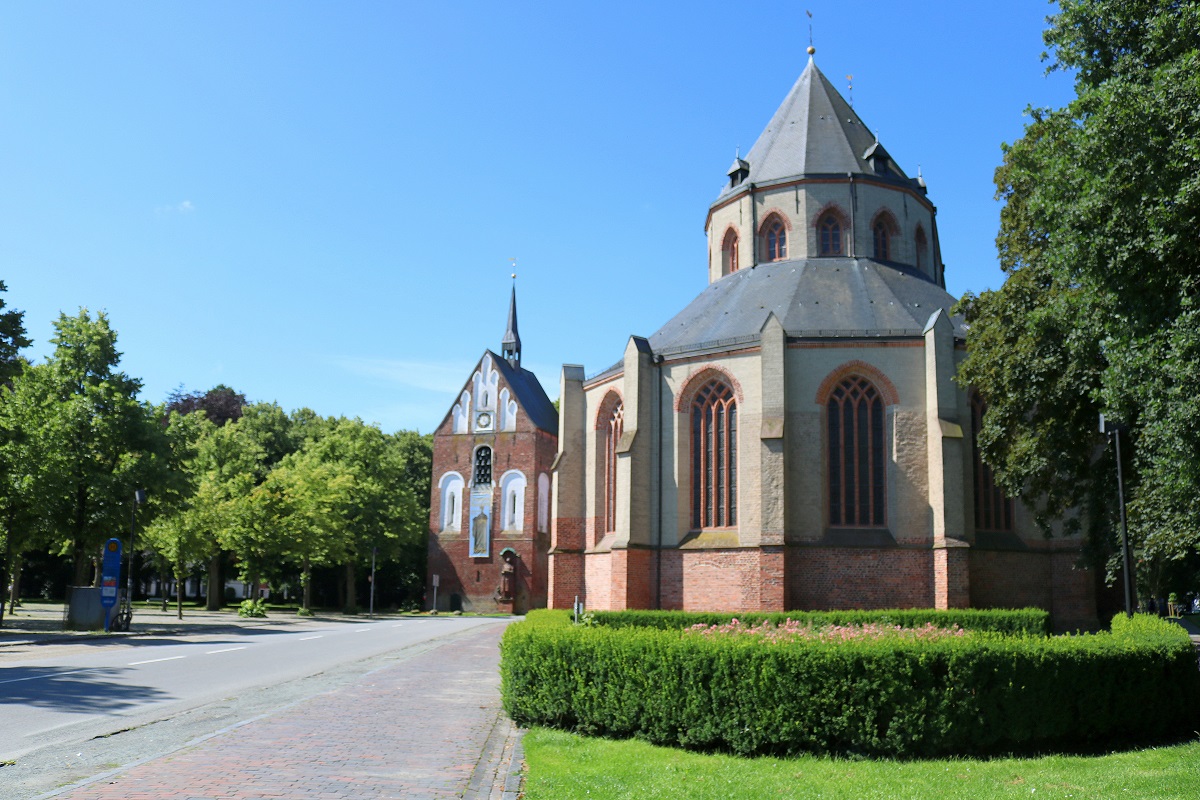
85 707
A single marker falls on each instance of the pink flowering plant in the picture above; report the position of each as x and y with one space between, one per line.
791 630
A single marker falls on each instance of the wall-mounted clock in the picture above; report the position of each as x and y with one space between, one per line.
483 421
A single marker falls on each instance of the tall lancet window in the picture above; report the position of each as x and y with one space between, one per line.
616 426
776 241
483 466
829 235
993 511
714 457
883 240
857 476
922 249
729 252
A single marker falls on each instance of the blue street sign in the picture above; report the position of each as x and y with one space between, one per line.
110 573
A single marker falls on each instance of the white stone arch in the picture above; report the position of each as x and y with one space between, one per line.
512 500
450 489
543 499
461 414
506 412
485 384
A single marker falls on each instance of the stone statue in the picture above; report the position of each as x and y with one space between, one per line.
479 534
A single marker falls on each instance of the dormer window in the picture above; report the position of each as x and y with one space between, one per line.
829 234
738 172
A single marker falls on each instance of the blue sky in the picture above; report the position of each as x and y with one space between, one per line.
316 203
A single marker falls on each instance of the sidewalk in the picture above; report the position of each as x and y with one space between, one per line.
428 727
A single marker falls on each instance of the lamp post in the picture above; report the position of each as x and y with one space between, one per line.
1113 431
139 497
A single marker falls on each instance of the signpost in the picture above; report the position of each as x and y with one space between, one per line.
110 574
435 585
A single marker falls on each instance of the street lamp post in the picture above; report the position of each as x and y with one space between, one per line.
1113 430
139 497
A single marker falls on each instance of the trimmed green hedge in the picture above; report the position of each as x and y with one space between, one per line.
1033 621
979 694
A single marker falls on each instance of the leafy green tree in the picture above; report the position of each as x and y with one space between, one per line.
385 516
308 502
100 443
220 405
13 499
1099 311
246 452
179 530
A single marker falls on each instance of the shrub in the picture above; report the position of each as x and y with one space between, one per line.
977 694
252 608
1032 621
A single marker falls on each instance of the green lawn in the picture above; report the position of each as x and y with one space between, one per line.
564 766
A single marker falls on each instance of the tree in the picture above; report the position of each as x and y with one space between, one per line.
12 497
180 529
308 502
220 404
384 515
247 451
1099 311
96 442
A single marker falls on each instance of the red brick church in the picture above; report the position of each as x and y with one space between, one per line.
792 439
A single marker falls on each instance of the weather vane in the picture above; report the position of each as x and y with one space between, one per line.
811 49
850 90
513 261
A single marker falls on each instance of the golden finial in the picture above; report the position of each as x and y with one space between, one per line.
811 50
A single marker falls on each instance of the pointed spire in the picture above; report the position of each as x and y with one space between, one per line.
510 346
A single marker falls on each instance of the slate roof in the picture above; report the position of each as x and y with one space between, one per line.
528 393
814 132
813 298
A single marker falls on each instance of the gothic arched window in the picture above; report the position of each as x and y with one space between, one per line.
616 426
857 477
483 466
922 249
729 252
776 241
829 234
883 240
993 511
714 456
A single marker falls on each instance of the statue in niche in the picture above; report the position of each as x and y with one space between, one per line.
479 534
508 574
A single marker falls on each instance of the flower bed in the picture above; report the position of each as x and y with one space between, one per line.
791 630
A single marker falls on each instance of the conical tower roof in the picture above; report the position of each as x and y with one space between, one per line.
813 132
510 345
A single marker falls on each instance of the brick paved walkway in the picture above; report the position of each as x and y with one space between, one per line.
427 727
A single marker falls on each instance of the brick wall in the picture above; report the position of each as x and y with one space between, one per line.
859 577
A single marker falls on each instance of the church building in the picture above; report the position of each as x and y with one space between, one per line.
490 516
792 439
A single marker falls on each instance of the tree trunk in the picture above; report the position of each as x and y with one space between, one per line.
164 588
180 583
216 588
14 595
81 563
306 581
351 606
